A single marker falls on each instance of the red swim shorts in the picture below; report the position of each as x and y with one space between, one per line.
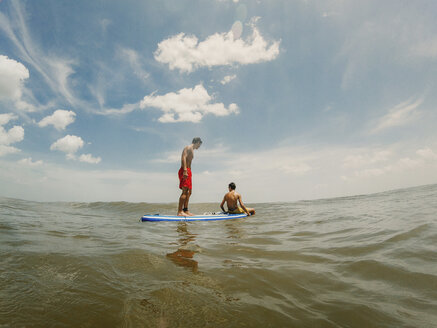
185 181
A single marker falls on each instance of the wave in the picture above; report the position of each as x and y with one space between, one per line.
429 191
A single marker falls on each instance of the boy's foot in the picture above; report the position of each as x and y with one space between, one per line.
182 214
188 213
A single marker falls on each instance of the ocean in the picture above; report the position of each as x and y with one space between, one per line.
362 261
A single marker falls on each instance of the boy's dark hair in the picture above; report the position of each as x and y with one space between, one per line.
232 186
197 140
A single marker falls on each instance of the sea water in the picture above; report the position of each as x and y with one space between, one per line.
363 261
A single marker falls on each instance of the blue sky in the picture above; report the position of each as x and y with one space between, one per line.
293 99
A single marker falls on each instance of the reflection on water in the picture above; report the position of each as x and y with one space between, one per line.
184 255
235 231
187 247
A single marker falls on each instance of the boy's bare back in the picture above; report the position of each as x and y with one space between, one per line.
231 199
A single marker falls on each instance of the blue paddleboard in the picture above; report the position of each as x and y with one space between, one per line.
205 217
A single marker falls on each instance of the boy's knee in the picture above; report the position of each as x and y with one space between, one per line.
186 191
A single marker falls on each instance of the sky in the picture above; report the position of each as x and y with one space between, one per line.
293 99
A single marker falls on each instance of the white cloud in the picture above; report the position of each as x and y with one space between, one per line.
60 183
427 153
186 53
29 162
13 135
407 163
329 14
392 162
228 79
12 76
427 49
68 144
287 161
295 173
401 114
8 137
187 105
59 119
364 158
5 118
5 150
88 158
205 154
397 166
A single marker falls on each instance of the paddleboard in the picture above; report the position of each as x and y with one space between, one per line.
204 217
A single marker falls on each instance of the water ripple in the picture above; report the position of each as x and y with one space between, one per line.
361 261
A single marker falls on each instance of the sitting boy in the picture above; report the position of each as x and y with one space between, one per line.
232 198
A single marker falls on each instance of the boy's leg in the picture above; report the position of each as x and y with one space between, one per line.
187 200
183 201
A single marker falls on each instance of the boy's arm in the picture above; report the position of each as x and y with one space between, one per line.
243 206
184 161
223 203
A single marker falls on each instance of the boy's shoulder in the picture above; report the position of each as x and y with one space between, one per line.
232 194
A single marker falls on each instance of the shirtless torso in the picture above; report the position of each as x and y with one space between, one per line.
231 199
187 157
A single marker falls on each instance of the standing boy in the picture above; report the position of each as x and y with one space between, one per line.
185 182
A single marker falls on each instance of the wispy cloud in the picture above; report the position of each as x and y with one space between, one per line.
427 153
133 59
84 185
382 42
393 161
125 109
361 159
126 68
401 114
56 71
104 23
425 49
